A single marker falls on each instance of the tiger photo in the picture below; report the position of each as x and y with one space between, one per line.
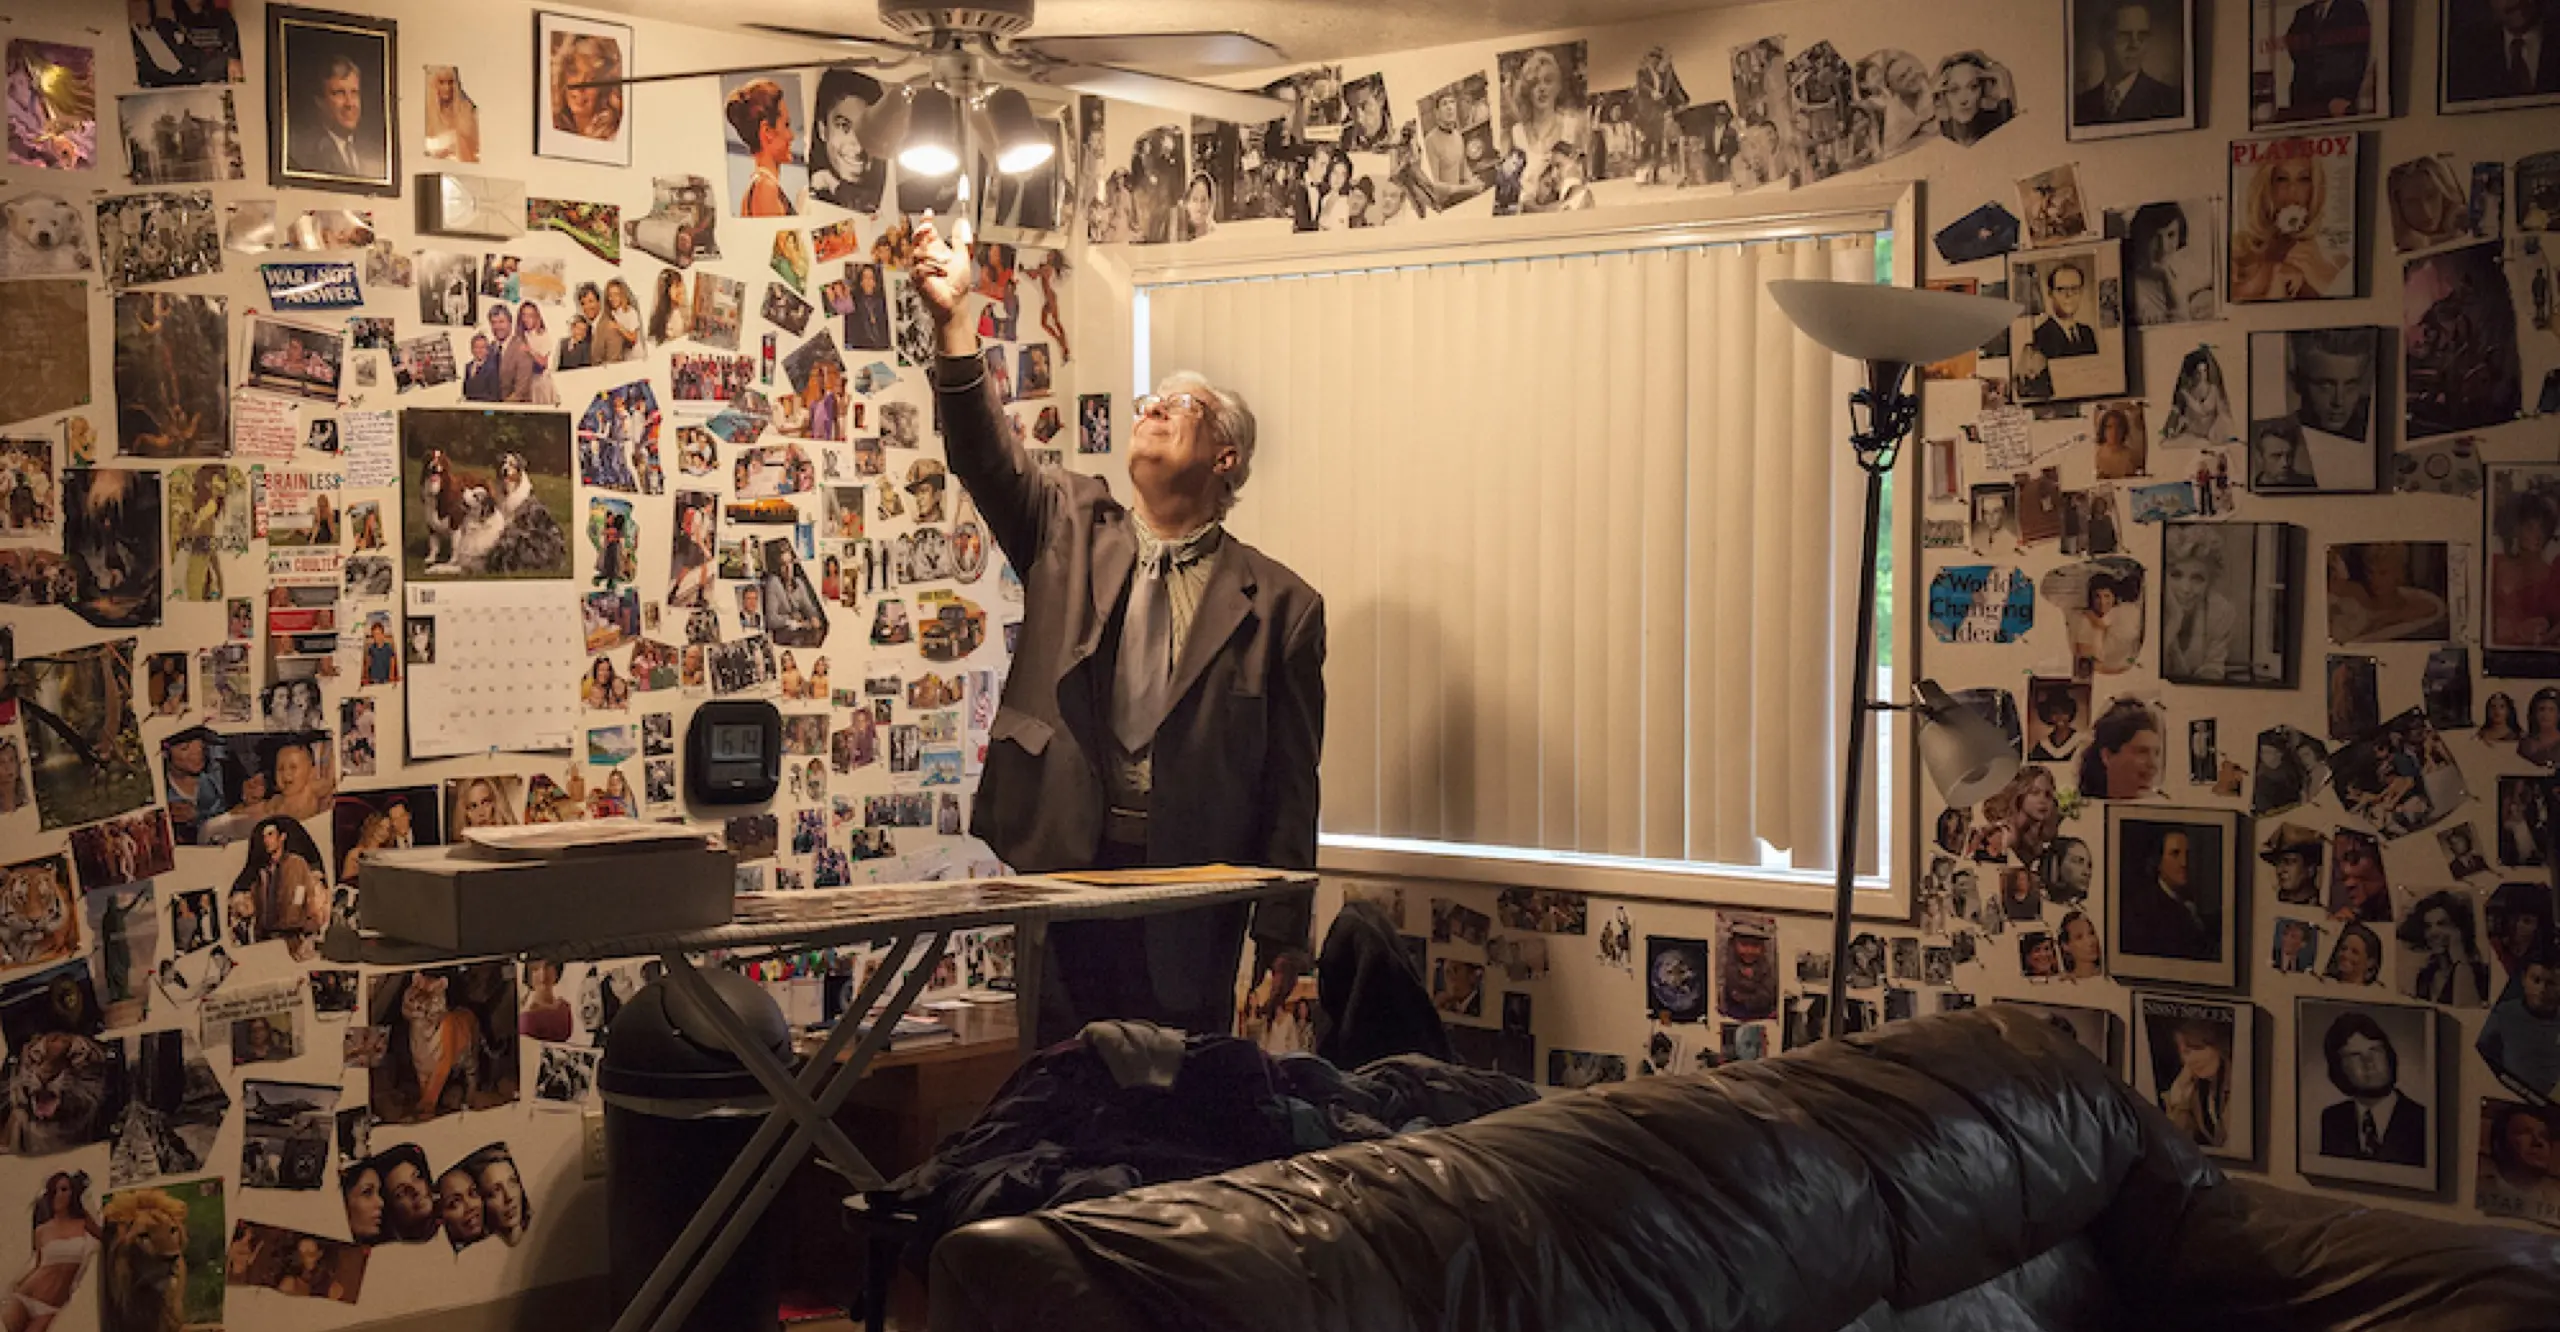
57 1094
37 920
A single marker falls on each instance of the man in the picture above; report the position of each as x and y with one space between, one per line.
2129 94
480 378
195 788
404 832
1446 172
1166 702
2331 44
2162 915
1747 974
2506 51
2062 333
329 141
2373 1122
2332 371
2521 1039
2295 853
2440 928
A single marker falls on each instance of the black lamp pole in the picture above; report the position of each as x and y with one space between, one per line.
1891 413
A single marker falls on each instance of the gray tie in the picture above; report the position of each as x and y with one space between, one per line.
1146 655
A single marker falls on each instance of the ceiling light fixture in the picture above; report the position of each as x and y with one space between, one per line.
1020 146
931 145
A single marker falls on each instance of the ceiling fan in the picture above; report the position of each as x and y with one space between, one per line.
973 50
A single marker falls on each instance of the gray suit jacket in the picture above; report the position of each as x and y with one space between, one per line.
1235 758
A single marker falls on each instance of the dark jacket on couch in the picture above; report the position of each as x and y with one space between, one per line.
1971 1171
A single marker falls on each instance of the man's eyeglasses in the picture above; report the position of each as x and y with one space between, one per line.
1169 405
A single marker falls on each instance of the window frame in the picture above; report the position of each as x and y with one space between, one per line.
1892 212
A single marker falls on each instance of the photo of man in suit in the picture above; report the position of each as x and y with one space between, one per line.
330 136
2498 50
2331 45
2372 1120
2134 41
2062 332
2172 903
1166 703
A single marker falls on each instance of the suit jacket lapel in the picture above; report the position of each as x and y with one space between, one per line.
1223 606
1115 557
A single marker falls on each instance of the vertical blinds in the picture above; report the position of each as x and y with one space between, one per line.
1583 526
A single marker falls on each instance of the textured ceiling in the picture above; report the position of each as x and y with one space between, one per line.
1306 30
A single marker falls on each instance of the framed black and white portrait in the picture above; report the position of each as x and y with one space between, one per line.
2194 1057
2365 1081
333 97
2318 62
2174 916
580 123
2497 55
2314 408
2067 342
2228 603
2132 67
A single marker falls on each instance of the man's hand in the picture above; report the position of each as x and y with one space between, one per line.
941 276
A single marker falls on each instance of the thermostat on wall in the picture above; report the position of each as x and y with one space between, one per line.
733 752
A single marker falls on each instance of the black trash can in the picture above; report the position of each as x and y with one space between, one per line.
678 1110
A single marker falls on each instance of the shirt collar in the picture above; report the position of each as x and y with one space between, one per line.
1179 552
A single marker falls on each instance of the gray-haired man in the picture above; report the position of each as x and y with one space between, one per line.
1166 704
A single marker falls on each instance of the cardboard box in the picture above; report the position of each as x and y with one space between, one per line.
454 897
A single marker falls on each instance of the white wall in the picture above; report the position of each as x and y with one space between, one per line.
677 130
1584 1004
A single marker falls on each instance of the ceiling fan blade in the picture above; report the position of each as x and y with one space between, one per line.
1199 99
1205 50
872 94
837 38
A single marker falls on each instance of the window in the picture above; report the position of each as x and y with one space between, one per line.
1585 524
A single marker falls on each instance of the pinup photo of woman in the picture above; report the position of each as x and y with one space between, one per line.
65 1238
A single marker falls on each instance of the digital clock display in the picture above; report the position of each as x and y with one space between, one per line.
737 744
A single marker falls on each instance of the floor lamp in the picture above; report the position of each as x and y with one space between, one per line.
1894 330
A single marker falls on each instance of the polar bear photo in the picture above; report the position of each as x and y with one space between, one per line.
43 237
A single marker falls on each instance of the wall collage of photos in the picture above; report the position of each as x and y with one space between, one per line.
322 533
2244 531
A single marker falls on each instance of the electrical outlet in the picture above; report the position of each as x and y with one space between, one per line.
592 1145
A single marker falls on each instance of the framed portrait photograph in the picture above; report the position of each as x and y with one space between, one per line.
2365 1080
2067 343
2295 234
2132 66
2314 407
2318 62
2174 917
333 98
2496 55
580 124
2229 603
2195 1058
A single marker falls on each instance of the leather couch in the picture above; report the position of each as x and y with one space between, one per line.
1967 1171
